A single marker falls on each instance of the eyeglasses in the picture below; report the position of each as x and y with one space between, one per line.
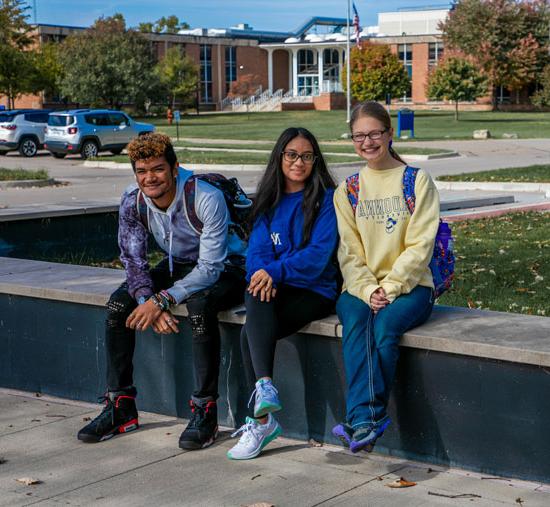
292 156
373 135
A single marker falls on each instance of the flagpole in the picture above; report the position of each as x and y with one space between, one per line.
348 67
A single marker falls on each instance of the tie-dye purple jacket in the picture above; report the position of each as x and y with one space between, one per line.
175 236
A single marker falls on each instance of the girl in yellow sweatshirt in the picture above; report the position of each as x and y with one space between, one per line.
384 255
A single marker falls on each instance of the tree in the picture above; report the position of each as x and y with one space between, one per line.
505 37
541 97
49 73
244 86
17 72
376 72
14 29
108 65
171 24
179 75
456 79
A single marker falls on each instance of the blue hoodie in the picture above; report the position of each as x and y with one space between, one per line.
275 245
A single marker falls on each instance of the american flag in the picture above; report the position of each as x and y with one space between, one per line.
356 24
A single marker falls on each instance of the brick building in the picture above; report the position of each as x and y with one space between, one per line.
295 70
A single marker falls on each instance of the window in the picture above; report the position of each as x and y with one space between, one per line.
331 68
435 53
206 73
56 120
230 66
118 119
405 55
305 61
37 117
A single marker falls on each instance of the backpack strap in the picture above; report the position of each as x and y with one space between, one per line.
141 206
352 186
189 195
409 179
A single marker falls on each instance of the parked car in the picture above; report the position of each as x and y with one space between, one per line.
23 130
89 131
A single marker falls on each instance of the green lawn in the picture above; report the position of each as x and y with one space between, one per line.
529 174
225 157
502 264
22 174
330 125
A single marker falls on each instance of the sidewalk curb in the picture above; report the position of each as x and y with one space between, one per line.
498 186
28 183
214 167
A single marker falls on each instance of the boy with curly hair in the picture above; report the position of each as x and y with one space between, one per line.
193 272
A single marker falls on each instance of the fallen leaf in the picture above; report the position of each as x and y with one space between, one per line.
86 418
255 477
29 481
35 420
401 483
492 272
519 500
471 304
38 395
314 443
55 415
3 460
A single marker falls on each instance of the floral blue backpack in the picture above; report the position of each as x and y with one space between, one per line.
442 263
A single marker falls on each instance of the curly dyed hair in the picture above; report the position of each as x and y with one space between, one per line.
151 145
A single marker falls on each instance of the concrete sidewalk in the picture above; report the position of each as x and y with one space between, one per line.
37 440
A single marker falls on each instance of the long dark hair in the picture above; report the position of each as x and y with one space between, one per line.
272 185
372 109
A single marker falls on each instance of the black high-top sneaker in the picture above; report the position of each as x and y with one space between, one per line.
202 429
119 416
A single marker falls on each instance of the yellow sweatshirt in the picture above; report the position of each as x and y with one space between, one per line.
383 245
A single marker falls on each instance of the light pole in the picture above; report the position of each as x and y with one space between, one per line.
348 67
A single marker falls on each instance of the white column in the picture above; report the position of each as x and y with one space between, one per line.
294 72
320 62
290 79
270 70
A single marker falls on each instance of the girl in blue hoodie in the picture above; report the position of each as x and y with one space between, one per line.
290 270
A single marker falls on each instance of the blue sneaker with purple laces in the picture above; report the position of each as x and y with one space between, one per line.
364 438
344 432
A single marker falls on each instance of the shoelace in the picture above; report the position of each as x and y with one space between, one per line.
108 405
247 430
268 388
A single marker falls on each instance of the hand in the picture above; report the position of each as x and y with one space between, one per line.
166 323
261 283
143 316
378 300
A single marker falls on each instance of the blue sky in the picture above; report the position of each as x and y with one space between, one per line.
278 15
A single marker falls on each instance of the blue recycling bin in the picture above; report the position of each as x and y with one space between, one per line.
405 121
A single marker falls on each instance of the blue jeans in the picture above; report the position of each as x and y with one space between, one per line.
371 350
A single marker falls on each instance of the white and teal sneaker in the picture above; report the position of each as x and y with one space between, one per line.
267 398
254 438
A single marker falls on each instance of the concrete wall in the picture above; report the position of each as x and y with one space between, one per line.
447 408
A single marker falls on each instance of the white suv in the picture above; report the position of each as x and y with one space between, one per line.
23 130
89 131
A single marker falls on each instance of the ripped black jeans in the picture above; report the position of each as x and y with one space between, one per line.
203 307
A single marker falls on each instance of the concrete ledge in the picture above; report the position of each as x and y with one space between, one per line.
28 183
494 186
467 391
492 335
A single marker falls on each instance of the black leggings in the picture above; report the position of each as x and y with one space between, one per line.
290 310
